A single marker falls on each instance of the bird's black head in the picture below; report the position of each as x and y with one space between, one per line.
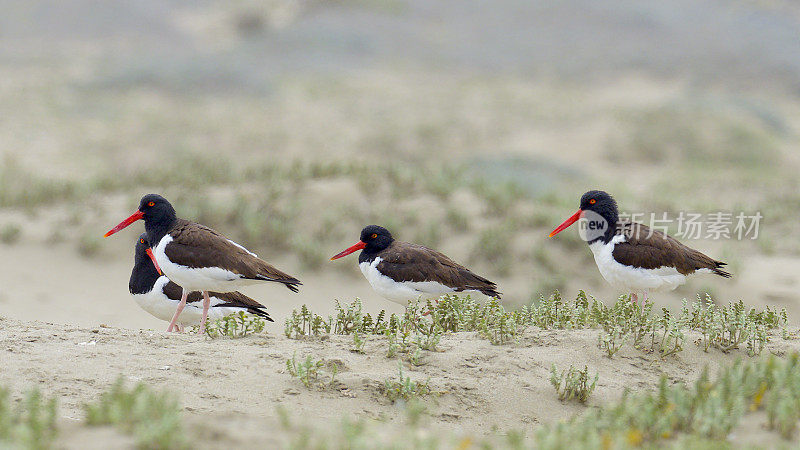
145 268
599 210
376 237
156 208
142 244
158 215
600 202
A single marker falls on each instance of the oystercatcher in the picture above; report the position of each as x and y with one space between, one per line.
197 257
400 271
631 256
160 297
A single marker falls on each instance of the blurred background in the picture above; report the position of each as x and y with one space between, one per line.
471 126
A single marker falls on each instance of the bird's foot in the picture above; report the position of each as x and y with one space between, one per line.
634 298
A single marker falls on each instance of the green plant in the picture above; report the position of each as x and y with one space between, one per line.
404 388
10 234
706 409
305 323
572 384
358 343
308 371
409 431
457 220
493 245
497 325
152 417
235 325
424 323
729 327
30 424
626 322
611 341
351 319
89 245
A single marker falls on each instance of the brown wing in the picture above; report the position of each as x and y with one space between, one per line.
651 249
403 261
174 292
230 299
196 245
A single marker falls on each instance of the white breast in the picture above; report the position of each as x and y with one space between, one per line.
162 307
403 291
632 279
198 279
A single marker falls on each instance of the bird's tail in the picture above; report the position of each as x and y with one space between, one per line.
261 313
716 269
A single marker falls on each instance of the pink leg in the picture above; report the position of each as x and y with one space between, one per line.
634 298
645 296
206 305
178 311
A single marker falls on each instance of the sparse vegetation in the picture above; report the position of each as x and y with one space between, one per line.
31 424
235 325
308 371
725 328
408 432
305 323
89 245
403 388
625 323
698 133
572 384
708 409
675 416
152 417
10 234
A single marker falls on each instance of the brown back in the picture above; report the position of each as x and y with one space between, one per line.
195 245
403 261
651 249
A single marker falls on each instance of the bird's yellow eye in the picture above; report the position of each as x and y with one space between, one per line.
592 201
374 235
141 240
151 204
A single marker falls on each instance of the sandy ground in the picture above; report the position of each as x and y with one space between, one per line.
230 388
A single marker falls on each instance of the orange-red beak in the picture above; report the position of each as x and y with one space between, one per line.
358 246
153 258
574 218
133 218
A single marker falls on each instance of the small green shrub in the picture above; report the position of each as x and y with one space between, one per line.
30 424
152 417
10 234
89 245
305 323
404 388
572 384
309 371
235 325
